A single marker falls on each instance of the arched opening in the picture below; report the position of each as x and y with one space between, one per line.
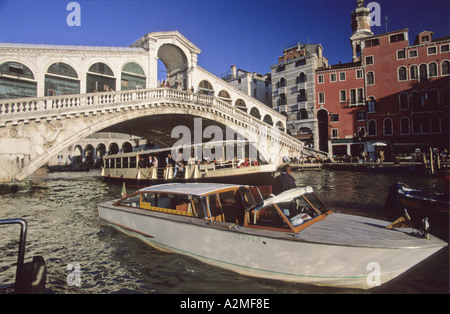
280 126
89 155
205 88
61 79
223 95
77 157
322 119
113 149
100 78
16 81
101 151
127 147
172 66
268 119
240 104
133 77
255 113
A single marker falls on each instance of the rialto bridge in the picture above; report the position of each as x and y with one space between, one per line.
53 96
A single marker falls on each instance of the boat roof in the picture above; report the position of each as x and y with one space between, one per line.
189 188
288 195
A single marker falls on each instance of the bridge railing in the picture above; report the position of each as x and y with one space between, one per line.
25 109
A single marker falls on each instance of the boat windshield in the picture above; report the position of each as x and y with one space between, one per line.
293 214
251 197
316 202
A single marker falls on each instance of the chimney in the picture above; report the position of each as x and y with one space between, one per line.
233 71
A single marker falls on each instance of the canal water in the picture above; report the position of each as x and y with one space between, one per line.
64 228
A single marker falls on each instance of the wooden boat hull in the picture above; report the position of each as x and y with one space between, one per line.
312 258
419 205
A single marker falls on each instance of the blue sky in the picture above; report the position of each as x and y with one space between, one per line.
250 34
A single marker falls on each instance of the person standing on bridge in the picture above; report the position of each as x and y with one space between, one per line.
284 181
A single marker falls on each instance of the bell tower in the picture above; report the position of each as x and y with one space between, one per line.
360 28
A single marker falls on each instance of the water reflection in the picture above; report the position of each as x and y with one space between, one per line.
64 228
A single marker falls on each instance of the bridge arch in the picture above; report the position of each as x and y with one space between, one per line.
132 76
17 74
255 113
61 79
268 119
240 104
176 63
100 77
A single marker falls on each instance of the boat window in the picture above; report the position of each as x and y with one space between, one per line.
149 198
199 206
267 216
251 196
297 211
125 162
118 165
132 201
232 208
215 207
316 202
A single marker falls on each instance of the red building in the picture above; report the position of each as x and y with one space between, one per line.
405 91
341 108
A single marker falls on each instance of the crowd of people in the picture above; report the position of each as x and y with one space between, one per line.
178 163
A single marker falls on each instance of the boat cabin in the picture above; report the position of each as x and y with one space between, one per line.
236 204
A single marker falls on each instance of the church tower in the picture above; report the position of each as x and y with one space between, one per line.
360 28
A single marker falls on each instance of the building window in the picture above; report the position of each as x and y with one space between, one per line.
334 117
432 50
403 98
387 126
372 42
396 38
343 96
361 115
319 79
321 98
413 54
359 74
369 60
370 78
302 78
361 131
371 105
402 74
302 96
342 76
446 97
445 67
414 72
445 48
423 72
334 133
433 69
372 128
333 77
401 54
404 126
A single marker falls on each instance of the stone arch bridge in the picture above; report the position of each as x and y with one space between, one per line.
51 100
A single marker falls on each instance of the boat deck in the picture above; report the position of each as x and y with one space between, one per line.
336 229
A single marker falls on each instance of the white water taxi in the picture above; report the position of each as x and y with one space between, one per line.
151 167
291 237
